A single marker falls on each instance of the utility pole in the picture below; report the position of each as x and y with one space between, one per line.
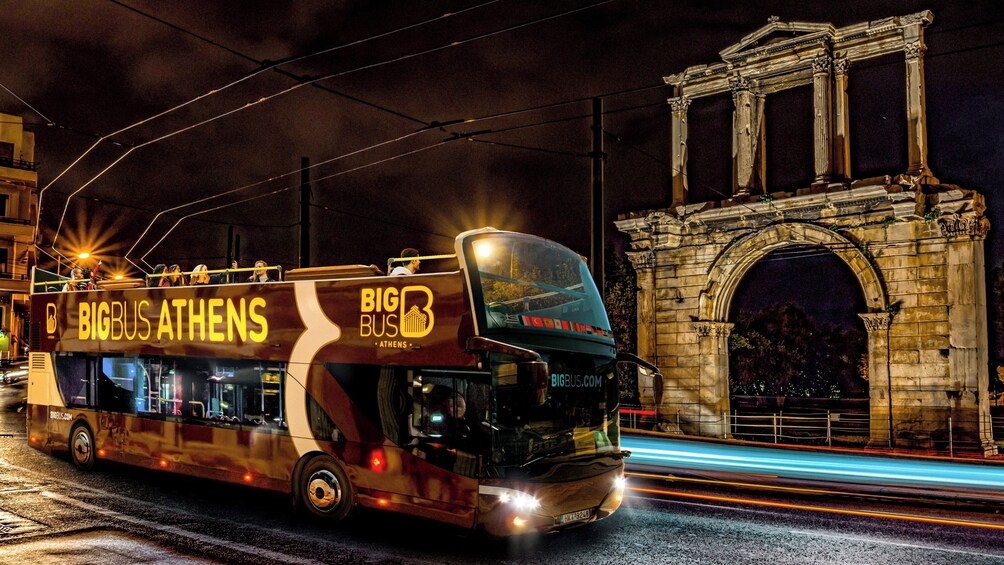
304 212
596 200
230 245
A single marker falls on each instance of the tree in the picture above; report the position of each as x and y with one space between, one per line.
620 298
782 352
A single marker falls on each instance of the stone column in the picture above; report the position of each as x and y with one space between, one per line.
713 378
916 115
822 123
745 136
644 266
967 326
879 386
678 149
841 122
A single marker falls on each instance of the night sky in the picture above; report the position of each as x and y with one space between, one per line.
386 174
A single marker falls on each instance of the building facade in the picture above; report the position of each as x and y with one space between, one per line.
18 211
914 244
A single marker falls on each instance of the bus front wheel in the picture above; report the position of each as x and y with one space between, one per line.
82 447
323 490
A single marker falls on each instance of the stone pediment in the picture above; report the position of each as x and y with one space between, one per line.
778 36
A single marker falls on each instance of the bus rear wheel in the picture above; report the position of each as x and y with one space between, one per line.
82 447
323 490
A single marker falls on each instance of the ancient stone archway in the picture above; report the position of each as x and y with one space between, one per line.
914 244
735 260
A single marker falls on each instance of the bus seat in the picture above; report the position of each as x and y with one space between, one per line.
116 284
331 272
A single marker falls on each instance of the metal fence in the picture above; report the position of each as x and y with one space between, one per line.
830 428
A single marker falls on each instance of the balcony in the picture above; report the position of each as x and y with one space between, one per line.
18 164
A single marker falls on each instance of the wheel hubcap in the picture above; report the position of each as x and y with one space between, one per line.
82 447
323 490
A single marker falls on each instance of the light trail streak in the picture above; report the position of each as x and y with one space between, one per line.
813 508
864 469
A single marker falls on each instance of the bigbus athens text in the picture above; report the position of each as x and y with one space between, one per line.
214 319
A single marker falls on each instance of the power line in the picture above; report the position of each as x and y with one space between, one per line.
286 91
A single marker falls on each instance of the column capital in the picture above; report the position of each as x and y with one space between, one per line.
878 321
738 84
821 64
841 66
706 328
642 260
679 104
972 226
914 50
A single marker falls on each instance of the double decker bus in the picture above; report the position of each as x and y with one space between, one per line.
482 397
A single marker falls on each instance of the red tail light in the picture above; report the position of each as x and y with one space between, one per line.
377 460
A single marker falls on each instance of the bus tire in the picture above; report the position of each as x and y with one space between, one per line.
82 450
322 489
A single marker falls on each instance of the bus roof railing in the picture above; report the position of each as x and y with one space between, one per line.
332 272
392 260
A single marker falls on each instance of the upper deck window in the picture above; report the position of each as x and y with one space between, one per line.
532 283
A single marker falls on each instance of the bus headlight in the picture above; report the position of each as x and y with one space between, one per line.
518 500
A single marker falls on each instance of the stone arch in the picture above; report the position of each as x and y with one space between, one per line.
737 258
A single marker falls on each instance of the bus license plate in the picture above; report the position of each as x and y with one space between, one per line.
575 516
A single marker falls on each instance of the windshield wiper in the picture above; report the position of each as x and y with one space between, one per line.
561 453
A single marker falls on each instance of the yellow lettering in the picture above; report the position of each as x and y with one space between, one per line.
179 304
164 326
197 320
365 325
389 299
237 319
139 316
368 296
103 323
84 322
260 335
215 319
117 319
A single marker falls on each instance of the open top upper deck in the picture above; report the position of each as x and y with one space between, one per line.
516 288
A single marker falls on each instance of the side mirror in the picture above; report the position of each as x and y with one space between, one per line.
532 377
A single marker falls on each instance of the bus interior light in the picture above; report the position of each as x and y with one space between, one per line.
518 522
247 477
102 453
620 483
163 463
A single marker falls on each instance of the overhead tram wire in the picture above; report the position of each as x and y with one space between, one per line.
284 189
300 78
23 101
301 84
263 66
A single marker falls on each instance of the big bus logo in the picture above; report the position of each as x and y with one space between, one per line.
50 319
388 312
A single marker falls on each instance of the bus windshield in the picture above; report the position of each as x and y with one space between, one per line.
530 283
575 415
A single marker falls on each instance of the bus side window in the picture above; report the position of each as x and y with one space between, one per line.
76 382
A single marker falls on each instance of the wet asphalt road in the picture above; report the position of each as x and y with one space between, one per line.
50 513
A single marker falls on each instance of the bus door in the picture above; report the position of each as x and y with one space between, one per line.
448 431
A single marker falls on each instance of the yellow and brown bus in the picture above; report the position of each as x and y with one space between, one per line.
481 397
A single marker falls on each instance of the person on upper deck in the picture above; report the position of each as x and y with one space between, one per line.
77 280
155 280
176 278
200 275
407 267
261 273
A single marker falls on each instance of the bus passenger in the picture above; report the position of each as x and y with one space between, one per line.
155 280
176 279
406 267
261 274
200 275
77 281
